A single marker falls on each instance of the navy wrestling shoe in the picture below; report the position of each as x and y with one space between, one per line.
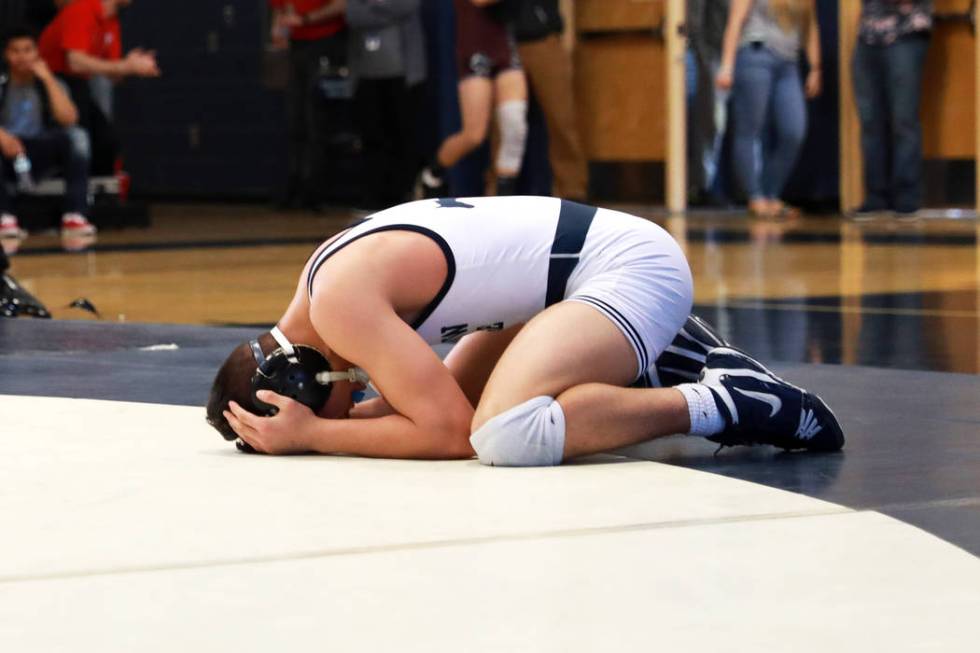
684 358
432 185
15 301
760 408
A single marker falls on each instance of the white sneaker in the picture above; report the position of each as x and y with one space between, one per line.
76 224
10 228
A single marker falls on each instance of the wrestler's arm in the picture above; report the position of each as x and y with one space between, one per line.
470 362
428 415
432 415
431 418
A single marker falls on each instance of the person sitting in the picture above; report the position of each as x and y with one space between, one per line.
36 111
83 47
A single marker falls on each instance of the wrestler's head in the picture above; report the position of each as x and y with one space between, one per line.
300 372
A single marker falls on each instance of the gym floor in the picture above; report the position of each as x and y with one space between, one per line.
129 524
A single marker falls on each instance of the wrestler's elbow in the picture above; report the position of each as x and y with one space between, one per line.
449 435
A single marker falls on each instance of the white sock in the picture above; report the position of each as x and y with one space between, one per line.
701 406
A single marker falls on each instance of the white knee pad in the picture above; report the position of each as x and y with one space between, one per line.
512 120
529 435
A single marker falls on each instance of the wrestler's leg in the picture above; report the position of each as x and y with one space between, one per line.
577 356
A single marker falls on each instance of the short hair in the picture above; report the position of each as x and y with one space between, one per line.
18 32
234 383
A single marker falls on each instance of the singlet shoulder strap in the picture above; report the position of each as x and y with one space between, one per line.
574 221
343 241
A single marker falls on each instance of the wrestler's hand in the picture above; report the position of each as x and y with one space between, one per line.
285 433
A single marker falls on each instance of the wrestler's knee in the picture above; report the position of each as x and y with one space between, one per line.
531 434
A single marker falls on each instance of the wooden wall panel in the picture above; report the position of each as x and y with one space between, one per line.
851 167
951 6
620 87
949 94
618 15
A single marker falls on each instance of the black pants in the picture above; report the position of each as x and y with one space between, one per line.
307 61
53 150
888 88
102 133
387 115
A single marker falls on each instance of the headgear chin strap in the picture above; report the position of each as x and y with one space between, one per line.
299 372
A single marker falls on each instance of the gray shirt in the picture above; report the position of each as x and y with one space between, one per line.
763 26
21 111
386 39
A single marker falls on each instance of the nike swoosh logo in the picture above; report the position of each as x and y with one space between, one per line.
774 402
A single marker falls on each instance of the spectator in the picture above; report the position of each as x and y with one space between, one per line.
387 58
36 111
489 72
888 64
708 106
538 26
313 30
82 44
760 63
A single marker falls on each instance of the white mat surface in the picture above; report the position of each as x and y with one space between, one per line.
134 527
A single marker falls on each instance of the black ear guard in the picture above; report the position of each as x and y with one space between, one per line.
299 372
292 375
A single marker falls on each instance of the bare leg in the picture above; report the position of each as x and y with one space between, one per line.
575 354
475 103
473 359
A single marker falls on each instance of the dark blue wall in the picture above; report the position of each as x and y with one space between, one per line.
208 126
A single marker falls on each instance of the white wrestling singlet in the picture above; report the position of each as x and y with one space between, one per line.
511 257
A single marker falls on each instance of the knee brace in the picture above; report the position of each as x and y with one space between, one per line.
529 435
512 120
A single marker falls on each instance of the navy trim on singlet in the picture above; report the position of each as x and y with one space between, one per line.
439 240
574 221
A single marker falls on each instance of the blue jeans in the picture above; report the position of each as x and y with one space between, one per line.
51 150
888 87
768 110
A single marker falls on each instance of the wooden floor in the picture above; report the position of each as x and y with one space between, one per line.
817 289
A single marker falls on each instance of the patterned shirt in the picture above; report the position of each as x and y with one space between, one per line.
885 21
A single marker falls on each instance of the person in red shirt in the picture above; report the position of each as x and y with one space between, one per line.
85 39
83 45
313 30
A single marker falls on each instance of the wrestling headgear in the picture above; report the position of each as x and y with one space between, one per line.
299 372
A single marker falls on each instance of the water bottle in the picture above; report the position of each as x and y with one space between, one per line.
22 167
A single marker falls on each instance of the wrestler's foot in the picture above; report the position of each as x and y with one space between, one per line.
683 360
760 408
15 301
432 184
10 227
